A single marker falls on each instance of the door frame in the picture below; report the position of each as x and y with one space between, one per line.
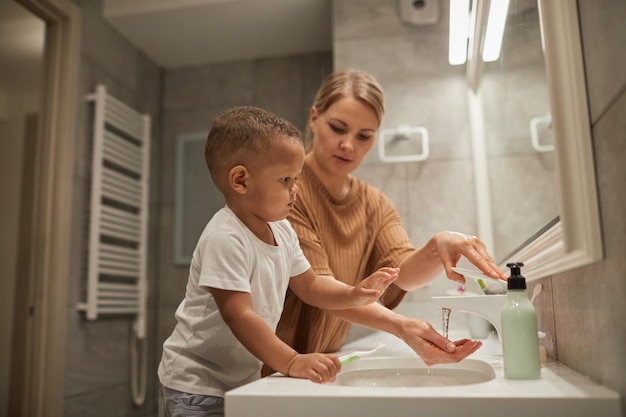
39 374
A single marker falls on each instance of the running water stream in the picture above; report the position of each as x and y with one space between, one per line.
446 320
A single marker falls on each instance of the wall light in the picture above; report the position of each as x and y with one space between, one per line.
498 10
459 31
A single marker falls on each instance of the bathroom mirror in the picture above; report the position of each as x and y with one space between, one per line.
512 109
539 202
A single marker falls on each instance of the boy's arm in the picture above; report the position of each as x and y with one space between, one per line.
329 294
256 336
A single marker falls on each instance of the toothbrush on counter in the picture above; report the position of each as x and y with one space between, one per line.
353 356
485 285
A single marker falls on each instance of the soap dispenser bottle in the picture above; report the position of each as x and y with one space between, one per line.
520 342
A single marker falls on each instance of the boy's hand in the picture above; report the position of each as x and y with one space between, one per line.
316 367
372 287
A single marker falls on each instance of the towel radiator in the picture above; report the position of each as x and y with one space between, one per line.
116 276
116 271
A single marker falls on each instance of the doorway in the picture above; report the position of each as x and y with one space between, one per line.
22 37
37 139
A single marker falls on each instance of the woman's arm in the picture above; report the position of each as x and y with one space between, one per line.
328 293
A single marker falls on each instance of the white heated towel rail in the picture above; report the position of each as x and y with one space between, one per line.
116 276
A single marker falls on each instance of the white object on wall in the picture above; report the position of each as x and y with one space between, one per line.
541 128
116 281
118 229
417 134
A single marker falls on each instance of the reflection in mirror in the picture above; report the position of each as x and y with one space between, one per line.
516 110
575 238
571 241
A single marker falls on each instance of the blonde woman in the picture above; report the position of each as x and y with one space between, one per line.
348 228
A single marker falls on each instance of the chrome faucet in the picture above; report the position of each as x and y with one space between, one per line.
487 306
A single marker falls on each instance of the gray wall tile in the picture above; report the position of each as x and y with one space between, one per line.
603 38
511 209
589 302
421 89
97 376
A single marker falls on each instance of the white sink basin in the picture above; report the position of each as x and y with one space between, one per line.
412 372
559 388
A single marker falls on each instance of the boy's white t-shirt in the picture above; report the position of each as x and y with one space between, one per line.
202 356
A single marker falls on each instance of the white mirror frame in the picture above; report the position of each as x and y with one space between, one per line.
576 239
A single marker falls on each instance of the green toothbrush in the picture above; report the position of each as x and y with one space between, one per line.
356 355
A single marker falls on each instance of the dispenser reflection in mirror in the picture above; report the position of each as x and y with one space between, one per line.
572 237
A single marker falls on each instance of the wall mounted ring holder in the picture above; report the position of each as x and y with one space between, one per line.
403 144
541 133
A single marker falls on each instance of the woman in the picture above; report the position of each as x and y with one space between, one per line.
348 228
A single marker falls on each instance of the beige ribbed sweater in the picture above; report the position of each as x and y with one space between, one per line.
348 239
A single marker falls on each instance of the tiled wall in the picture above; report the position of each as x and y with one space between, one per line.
421 89
585 307
97 380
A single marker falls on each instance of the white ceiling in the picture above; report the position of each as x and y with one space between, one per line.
179 33
176 33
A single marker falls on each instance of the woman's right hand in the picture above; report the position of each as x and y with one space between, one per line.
451 246
316 367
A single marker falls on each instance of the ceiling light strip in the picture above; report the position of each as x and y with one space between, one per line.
459 30
498 10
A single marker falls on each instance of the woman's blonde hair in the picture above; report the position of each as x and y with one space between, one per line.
349 83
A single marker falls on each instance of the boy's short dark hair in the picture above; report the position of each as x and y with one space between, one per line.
241 132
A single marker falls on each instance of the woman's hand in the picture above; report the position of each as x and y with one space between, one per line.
432 347
316 367
452 245
372 288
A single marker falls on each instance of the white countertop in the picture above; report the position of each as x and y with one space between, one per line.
559 392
